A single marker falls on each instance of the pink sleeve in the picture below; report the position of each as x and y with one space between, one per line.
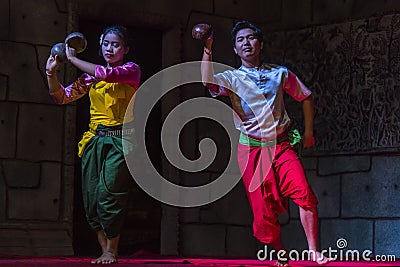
294 87
128 73
74 91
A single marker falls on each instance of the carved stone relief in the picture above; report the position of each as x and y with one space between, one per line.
353 69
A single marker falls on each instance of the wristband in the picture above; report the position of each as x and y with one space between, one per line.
207 51
49 74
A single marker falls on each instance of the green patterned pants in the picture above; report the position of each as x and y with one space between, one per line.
106 183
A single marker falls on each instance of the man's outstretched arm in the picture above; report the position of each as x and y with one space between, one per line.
308 111
207 70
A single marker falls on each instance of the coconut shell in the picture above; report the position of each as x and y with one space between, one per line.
59 50
77 41
202 31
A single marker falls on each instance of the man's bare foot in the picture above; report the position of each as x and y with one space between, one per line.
282 263
319 258
106 258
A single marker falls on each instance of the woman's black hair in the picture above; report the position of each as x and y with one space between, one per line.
244 24
119 30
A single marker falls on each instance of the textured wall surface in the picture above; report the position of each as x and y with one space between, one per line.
35 215
352 69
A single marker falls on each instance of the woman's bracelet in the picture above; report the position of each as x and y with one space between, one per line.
207 51
49 74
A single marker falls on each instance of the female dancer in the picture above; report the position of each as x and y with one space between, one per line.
105 177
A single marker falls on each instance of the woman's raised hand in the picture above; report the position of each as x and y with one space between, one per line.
52 64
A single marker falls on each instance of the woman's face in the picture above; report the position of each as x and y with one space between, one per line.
113 49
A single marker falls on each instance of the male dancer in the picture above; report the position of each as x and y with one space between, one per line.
270 167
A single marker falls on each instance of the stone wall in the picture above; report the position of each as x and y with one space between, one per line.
36 213
357 198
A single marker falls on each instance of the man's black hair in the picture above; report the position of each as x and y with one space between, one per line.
244 24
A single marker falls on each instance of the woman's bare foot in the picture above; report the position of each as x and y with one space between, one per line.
109 246
106 258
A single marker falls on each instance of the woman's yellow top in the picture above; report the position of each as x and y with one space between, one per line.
111 91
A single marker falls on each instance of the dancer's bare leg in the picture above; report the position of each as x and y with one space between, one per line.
109 248
101 237
309 220
278 246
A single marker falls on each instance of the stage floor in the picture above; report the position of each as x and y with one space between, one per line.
14 261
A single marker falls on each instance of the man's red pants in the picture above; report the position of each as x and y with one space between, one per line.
279 174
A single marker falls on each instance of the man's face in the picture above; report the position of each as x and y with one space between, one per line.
247 46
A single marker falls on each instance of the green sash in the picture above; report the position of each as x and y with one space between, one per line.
293 137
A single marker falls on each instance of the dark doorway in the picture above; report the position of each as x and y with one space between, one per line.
142 226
